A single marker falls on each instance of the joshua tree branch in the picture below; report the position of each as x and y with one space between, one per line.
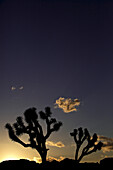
48 129
14 137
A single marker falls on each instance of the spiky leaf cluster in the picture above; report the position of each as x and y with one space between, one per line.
52 124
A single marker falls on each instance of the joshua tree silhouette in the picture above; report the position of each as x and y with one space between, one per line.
37 139
80 137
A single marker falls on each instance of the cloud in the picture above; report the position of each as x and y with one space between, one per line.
21 88
107 143
57 144
13 88
49 158
37 159
68 105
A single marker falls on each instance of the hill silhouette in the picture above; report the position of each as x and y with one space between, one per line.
66 163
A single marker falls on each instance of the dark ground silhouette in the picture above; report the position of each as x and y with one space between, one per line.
66 163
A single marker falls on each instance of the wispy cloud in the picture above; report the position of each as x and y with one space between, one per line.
107 143
68 104
21 88
57 144
13 88
49 158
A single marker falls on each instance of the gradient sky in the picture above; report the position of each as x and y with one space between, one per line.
51 49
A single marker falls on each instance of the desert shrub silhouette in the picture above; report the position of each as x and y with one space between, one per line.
92 145
37 139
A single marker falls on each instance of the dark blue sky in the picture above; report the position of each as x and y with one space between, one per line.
58 49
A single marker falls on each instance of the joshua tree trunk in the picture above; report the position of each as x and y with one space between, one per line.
43 156
42 150
76 153
80 158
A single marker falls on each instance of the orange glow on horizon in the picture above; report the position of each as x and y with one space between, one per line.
10 157
13 157
36 159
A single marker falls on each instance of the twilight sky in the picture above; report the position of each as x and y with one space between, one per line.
54 49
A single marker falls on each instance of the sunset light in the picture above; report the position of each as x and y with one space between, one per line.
56 82
10 157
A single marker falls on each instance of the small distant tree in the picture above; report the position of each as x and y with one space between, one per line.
80 137
32 127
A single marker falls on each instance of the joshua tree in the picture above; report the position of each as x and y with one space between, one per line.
32 127
80 137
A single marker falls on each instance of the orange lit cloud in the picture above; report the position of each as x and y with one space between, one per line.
57 144
107 143
68 105
49 158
